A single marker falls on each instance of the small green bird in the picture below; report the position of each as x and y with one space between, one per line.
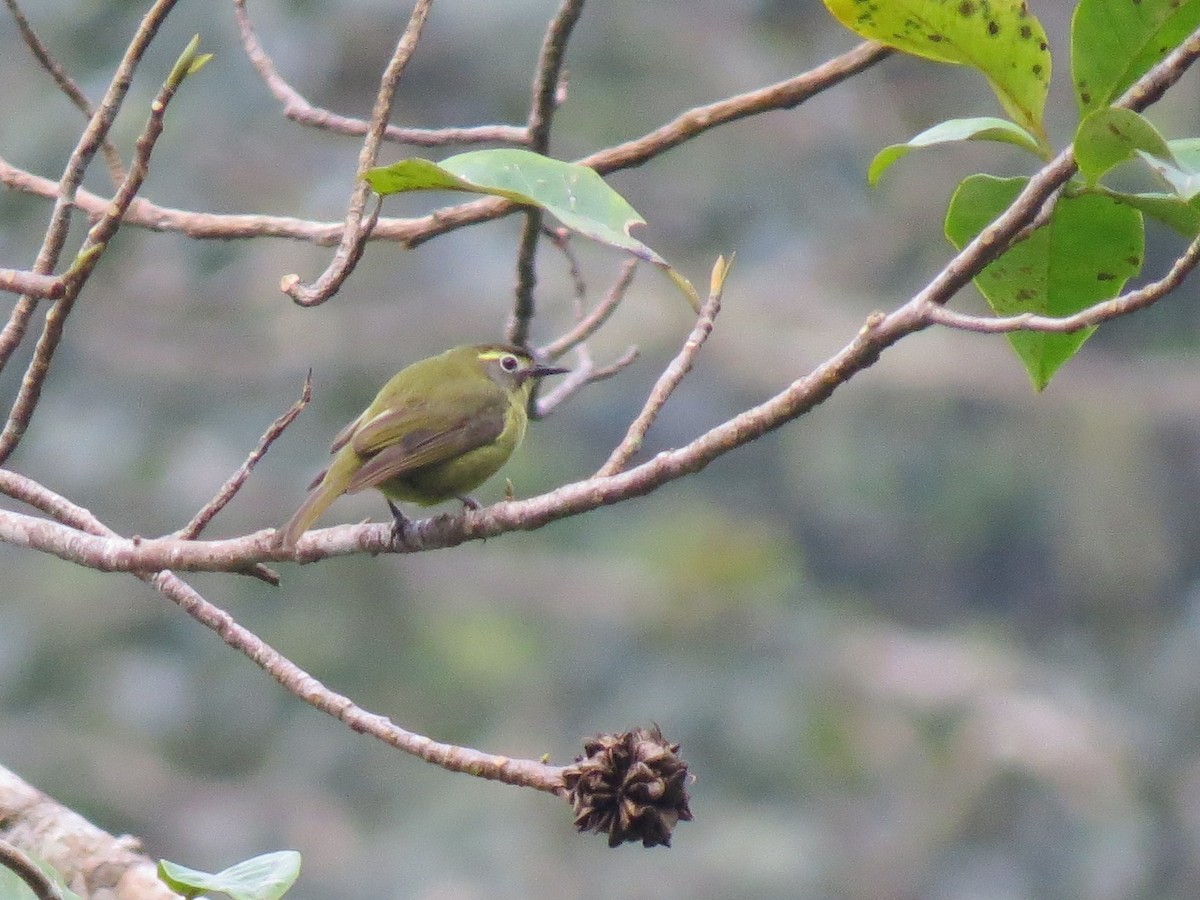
438 429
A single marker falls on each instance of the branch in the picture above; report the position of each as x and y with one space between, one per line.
85 855
63 193
66 84
412 232
546 94
584 372
355 232
1128 303
520 772
31 284
235 481
589 324
297 108
670 378
26 869
89 255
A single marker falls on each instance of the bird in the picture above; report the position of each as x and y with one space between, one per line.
436 431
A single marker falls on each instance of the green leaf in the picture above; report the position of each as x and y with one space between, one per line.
13 887
266 877
982 128
1180 170
1089 248
1169 209
1114 43
575 195
1109 136
999 38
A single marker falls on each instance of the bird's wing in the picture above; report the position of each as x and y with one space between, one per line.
390 446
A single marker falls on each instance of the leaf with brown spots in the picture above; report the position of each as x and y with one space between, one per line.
1084 254
999 38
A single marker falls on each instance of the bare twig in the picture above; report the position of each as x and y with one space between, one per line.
42 498
541 114
26 869
672 375
89 255
31 284
1145 296
781 95
297 108
412 232
585 372
64 192
116 169
523 772
355 233
589 324
560 237
234 484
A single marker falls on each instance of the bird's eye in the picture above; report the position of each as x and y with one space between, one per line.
510 363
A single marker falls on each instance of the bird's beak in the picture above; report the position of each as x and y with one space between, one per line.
542 371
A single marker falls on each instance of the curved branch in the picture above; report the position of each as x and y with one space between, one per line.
415 231
355 232
26 869
297 108
1143 297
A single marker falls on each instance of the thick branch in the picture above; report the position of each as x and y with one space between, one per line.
84 854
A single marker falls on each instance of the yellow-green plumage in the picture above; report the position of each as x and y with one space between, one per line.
438 429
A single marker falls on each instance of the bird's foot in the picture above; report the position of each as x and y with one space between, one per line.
469 502
400 523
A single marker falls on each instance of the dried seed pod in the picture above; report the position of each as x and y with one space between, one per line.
631 786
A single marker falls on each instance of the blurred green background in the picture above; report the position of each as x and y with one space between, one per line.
938 639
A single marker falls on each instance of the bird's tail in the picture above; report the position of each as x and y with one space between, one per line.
326 488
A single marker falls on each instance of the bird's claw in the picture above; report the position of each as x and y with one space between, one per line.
400 523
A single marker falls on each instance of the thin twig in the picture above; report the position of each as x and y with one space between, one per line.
589 324
672 375
40 497
26 869
585 372
235 481
116 169
521 772
547 77
784 94
89 255
560 237
355 232
1131 302
412 232
31 284
297 107
64 192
